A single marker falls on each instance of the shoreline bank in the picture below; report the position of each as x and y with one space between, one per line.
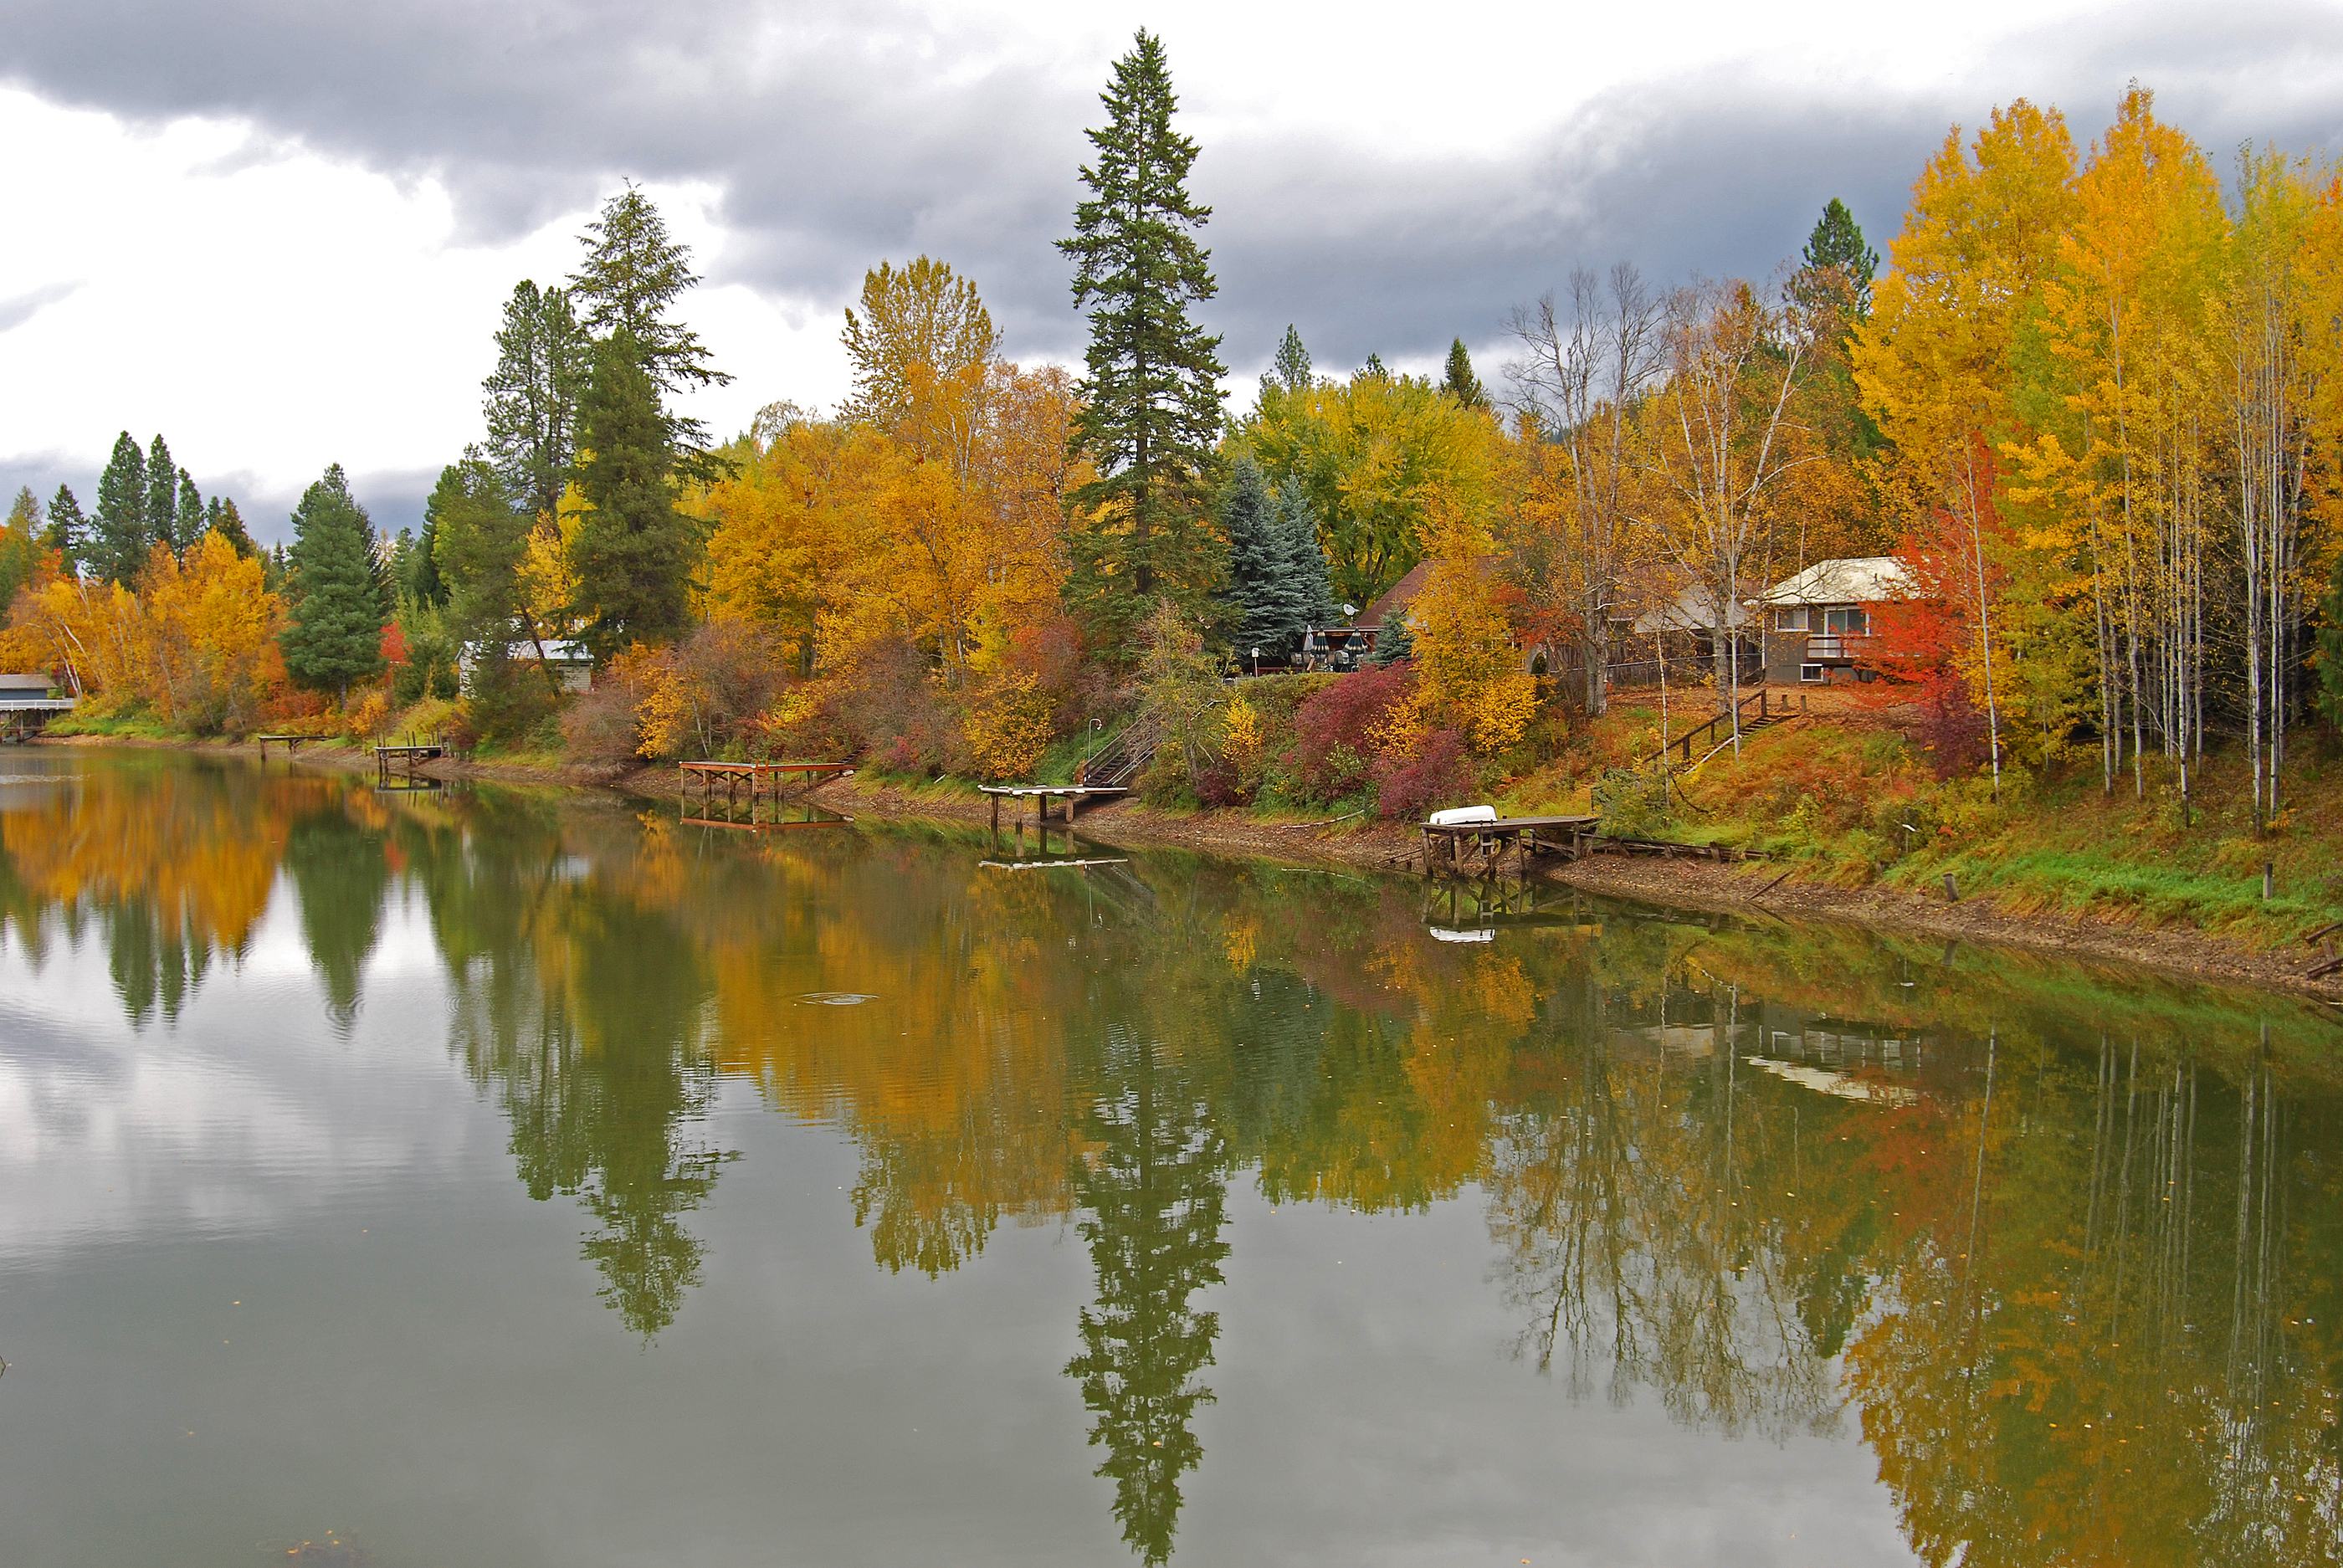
1685 883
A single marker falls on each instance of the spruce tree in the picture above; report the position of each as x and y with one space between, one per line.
1292 365
1460 383
633 550
1261 586
334 634
119 540
632 274
1150 414
543 356
1394 640
190 525
163 495
1837 242
68 530
1305 559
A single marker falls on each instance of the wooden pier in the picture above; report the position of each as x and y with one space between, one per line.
394 766
292 743
764 779
1072 794
1459 848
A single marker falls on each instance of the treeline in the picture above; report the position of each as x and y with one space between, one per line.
2089 402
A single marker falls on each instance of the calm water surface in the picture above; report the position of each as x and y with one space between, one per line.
507 1179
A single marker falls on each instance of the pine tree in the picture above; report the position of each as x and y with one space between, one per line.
189 528
1460 383
1262 584
121 536
221 515
1292 365
1150 415
163 495
68 530
633 272
333 634
543 358
1374 366
1837 242
633 550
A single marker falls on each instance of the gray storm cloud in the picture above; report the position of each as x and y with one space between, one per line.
837 138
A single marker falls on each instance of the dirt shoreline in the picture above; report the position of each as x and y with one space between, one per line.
1726 888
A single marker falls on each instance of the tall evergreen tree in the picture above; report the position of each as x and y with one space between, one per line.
633 274
119 541
1260 586
68 530
1305 559
333 634
543 358
1460 383
163 495
1837 242
633 550
220 516
1292 365
1150 415
189 528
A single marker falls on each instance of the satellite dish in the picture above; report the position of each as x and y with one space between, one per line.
1350 609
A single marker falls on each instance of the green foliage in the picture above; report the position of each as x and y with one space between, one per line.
477 541
334 634
68 530
2331 648
1150 413
163 495
190 525
119 541
633 551
20 547
543 359
1291 367
221 516
1634 802
1460 383
630 279
432 669
1838 245
1394 640
1264 587
507 703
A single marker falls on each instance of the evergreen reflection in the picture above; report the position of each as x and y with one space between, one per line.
1154 1193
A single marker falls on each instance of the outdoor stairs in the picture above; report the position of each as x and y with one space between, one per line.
1124 757
1756 713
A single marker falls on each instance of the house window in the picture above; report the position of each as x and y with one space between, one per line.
1810 672
1846 620
1790 620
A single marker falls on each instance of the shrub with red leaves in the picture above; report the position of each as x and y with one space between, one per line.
1332 754
1436 773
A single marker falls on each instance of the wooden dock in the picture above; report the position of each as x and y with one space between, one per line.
393 764
764 779
1459 848
1073 795
292 743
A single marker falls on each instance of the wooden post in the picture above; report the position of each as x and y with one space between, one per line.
2269 880
996 813
1952 894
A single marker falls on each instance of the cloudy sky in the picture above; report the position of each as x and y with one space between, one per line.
278 231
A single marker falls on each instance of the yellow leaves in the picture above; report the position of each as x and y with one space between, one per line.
1469 675
1008 727
548 581
1241 735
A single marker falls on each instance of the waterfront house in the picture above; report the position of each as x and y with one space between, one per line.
1819 624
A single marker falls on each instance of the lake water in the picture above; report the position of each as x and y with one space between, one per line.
502 1178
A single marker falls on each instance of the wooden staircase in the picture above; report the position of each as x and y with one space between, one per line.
1756 713
1123 758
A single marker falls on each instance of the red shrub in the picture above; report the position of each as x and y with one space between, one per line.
1333 754
1436 773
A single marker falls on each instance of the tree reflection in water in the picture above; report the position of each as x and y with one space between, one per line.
2068 1245
1154 1192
